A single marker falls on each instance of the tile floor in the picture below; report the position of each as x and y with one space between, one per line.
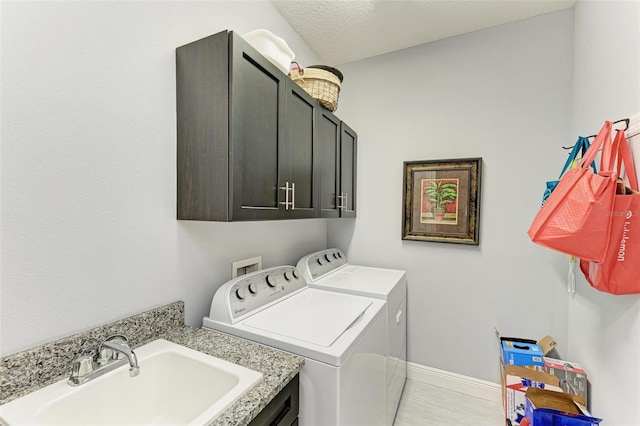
423 405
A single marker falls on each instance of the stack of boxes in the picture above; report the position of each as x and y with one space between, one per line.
527 372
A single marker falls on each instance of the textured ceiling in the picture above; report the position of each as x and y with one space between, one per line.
341 31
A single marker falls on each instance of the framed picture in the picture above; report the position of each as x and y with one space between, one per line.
442 200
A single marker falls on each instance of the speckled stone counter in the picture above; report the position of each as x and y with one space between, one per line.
29 370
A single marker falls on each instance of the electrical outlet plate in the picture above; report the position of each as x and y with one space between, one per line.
241 267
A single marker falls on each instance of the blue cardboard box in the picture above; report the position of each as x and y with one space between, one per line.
547 408
521 353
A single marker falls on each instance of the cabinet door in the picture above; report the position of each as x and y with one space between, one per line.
283 409
202 73
329 159
256 132
300 169
348 159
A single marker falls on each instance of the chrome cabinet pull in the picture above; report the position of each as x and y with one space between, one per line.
286 190
286 195
344 201
293 196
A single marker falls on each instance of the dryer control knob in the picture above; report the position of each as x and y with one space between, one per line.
241 293
286 276
295 274
271 281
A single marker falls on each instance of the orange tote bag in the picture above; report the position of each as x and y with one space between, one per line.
573 220
619 272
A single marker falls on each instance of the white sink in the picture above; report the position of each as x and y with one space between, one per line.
176 386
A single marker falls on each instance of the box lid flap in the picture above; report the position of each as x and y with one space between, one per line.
547 343
569 403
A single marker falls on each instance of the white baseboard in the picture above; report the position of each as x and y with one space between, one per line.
455 382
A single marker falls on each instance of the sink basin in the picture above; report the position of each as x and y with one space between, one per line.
176 386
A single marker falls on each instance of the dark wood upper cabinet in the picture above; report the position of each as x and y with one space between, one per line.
256 133
302 150
337 150
329 157
248 144
348 157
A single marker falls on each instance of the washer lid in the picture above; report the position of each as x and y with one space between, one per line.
313 316
364 280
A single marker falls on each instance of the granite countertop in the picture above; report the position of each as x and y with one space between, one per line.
277 368
35 368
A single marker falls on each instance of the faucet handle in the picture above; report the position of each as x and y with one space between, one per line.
81 367
105 356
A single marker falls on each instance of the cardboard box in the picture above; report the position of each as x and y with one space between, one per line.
516 380
518 353
544 407
550 374
573 378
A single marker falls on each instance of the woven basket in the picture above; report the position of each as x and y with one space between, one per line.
323 86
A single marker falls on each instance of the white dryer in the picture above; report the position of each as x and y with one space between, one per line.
341 337
329 270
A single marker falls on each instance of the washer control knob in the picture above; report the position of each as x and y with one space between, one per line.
286 276
326 256
295 274
319 261
253 289
336 255
271 281
241 293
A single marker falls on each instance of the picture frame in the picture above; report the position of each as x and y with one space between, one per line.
442 201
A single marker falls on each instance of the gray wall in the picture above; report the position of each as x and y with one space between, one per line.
604 330
89 230
503 94
513 96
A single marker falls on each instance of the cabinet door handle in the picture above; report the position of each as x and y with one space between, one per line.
293 196
286 195
344 201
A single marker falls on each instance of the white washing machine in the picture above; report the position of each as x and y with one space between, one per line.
329 270
341 337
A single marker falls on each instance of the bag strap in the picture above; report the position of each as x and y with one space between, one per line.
585 148
604 135
581 145
623 153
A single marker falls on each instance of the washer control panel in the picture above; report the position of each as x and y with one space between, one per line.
251 292
318 264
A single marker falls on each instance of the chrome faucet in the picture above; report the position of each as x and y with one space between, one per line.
113 352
